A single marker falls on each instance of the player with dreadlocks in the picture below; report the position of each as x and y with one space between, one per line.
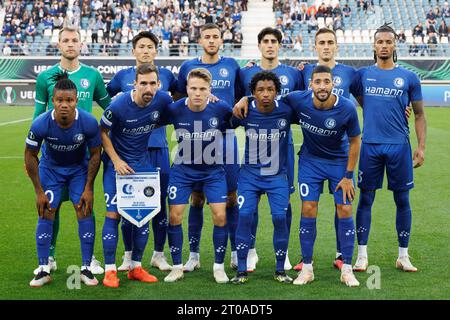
70 159
385 90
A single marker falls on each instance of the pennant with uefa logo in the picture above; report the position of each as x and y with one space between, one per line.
138 196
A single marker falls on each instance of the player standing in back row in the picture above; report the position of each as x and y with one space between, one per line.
90 88
224 85
385 90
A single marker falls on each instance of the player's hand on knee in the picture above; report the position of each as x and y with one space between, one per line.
408 111
241 108
418 157
348 189
86 203
42 204
122 167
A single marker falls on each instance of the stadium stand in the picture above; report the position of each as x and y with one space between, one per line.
355 23
107 26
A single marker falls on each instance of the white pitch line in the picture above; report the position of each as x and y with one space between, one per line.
15 121
11 157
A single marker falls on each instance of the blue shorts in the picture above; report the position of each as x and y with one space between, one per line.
312 174
159 158
251 186
231 165
55 181
183 179
397 158
291 167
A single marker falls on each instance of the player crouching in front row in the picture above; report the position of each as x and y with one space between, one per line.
67 133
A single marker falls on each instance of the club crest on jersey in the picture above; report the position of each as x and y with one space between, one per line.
108 114
282 123
84 83
337 81
154 115
330 123
127 189
223 72
213 122
284 80
78 138
149 191
31 135
399 82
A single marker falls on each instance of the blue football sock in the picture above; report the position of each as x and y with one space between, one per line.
289 219
346 238
307 238
127 234
44 233
175 237
86 233
220 237
110 236
243 232
404 217
195 225
336 228
280 239
140 238
364 216
254 229
232 220
159 226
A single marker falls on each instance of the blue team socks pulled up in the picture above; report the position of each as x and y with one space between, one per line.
44 232
336 228
175 236
127 234
232 220
254 228
364 216
140 238
346 231
159 226
109 237
195 225
86 233
220 237
280 239
403 218
243 231
307 238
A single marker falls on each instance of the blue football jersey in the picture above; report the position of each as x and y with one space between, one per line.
64 147
225 77
291 79
123 81
324 130
344 78
386 94
131 126
199 134
266 139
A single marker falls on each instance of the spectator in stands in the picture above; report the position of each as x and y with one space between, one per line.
445 10
431 17
7 50
48 22
174 48
401 36
51 49
338 24
337 12
244 5
430 28
443 29
108 26
347 10
236 16
312 10
418 31
84 49
58 21
312 24
437 12
19 35
238 40
30 30
298 44
323 11
6 28
432 44
361 4
287 42
24 48
8 39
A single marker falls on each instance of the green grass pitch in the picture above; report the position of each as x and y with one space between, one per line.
429 246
